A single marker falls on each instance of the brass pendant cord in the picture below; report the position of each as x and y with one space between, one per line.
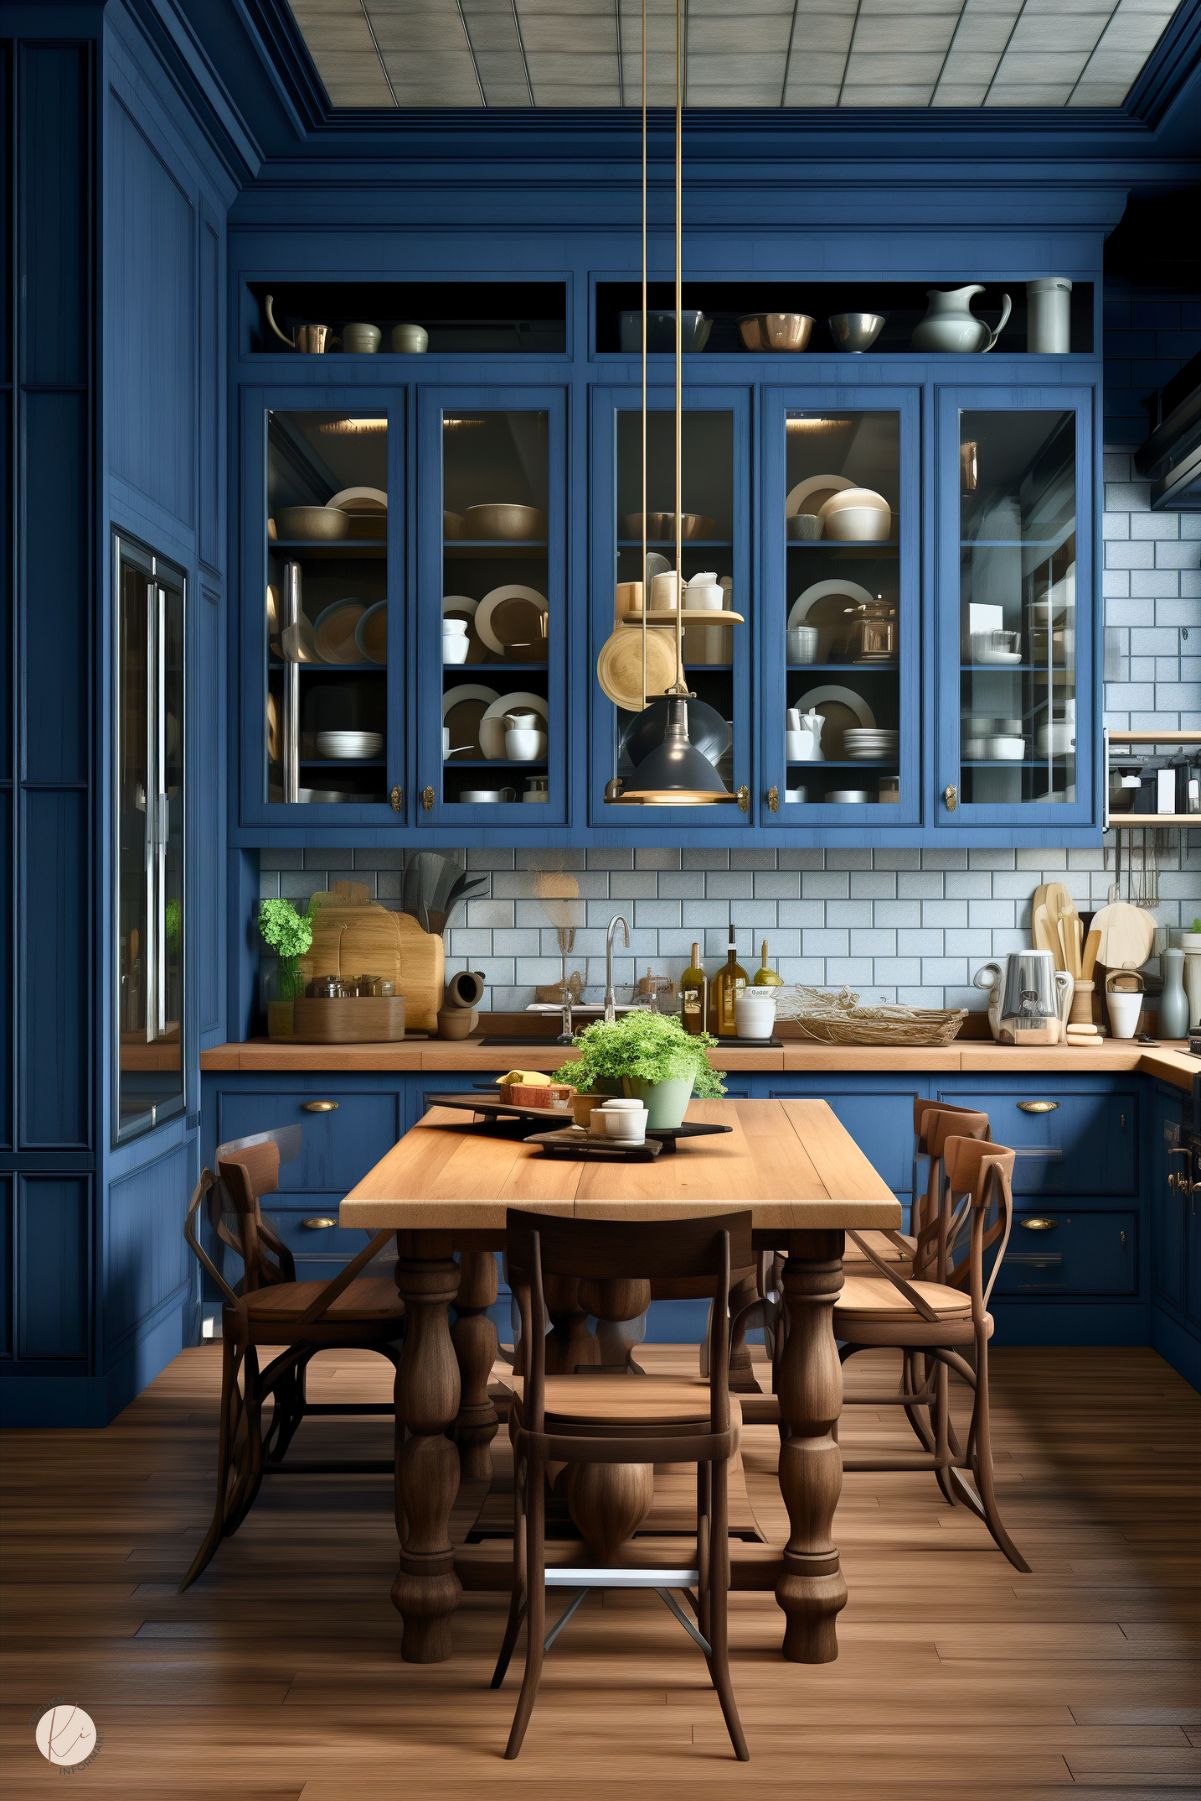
646 587
679 686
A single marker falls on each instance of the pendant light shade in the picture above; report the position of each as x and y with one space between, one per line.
675 772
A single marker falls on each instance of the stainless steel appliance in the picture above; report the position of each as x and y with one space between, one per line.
1028 998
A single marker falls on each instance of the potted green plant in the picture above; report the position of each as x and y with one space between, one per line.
648 1057
289 934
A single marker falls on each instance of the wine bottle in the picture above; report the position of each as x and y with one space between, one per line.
765 975
693 993
724 991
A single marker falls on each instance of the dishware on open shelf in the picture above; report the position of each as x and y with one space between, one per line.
524 742
841 707
811 494
619 666
888 788
455 643
796 795
297 644
481 797
537 788
856 515
507 520
804 528
661 330
320 525
856 332
346 744
511 622
662 526
492 728
334 631
361 339
310 340
848 797
802 644
463 711
826 605
950 326
997 646
371 634
409 340
803 736
776 331
1049 316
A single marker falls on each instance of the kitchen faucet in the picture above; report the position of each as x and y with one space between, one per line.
610 996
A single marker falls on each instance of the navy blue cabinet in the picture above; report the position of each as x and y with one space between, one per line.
1174 1204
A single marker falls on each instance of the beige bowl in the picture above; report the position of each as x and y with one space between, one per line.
776 331
853 497
857 525
321 524
662 526
504 519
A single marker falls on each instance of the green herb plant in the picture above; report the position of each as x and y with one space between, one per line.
641 1046
290 935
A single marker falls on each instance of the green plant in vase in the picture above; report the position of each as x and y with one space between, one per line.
290 935
648 1057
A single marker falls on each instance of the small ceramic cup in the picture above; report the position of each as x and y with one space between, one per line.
1124 1006
412 339
805 528
802 644
755 1012
623 1120
361 340
455 648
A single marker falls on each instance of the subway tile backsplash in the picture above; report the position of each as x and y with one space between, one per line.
908 925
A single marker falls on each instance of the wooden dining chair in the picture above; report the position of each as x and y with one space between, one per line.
941 1312
268 1306
611 1419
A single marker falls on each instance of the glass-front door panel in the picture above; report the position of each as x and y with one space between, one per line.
841 727
327 607
710 557
500 621
1017 575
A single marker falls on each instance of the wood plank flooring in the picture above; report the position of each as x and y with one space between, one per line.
277 1677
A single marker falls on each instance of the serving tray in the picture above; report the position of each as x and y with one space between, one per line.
474 1101
568 1145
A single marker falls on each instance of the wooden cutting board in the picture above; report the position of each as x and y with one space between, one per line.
353 935
1127 935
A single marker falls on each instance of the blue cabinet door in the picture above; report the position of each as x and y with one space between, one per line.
1017 624
485 452
304 447
1168 1205
718 660
862 670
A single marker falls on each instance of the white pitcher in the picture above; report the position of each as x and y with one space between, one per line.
950 324
803 739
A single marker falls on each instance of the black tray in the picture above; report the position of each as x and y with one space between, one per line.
495 1108
567 1145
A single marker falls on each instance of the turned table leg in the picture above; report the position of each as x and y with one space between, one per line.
474 1339
426 1591
810 1589
570 1345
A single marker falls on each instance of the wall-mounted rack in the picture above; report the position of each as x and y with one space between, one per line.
1121 822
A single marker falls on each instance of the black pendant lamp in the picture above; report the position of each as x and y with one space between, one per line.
675 773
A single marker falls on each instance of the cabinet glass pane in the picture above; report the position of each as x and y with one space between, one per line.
498 618
327 607
150 841
1017 562
842 633
710 548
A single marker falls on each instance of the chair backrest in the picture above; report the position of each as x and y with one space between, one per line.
247 1170
546 1244
934 1125
980 1180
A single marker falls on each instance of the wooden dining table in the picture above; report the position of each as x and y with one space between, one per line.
446 1187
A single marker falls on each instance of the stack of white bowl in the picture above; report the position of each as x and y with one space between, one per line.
856 515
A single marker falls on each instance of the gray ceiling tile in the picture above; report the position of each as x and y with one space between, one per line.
892 68
1029 94
396 33
963 67
1148 6
430 65
556 65
752 31
1113 65
1035 9
720 9
1137 31
822 67
748 68
982 33
809 93
490 31
907 95
1045 70
334 31
1078 31
500 68
872 9
822 31
589 31
1099 93
895 31
734 93
959 94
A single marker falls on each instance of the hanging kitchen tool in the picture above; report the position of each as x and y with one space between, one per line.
1125 936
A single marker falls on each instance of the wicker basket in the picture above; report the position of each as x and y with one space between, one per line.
839 1019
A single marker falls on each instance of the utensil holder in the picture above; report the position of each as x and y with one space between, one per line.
1082 1004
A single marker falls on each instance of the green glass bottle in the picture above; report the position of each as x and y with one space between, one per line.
765 975
723 994
693 994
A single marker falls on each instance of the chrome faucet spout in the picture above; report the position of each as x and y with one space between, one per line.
610 994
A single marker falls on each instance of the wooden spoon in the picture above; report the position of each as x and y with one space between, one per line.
1046 938
1088 961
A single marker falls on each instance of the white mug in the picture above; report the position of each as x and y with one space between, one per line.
1124 1006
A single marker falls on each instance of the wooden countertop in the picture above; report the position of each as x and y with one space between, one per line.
1168 1062
792 1163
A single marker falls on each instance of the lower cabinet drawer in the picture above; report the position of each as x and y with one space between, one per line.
1071 1254
342 1135
1066 1143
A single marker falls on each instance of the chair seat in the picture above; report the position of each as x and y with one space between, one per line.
857 1262
863 1297
620 1400
368 1298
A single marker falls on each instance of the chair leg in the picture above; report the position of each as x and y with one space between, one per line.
982 1464
941 1415
518 1592
718 1596
535 1611
704 1545
231 1358
252 1416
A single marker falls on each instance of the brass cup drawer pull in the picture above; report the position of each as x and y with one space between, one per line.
318 1106
1038 1106
320 1223
1038 1225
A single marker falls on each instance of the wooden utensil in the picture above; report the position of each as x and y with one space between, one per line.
619 666
1046 938
353 935
1126 935
1088 960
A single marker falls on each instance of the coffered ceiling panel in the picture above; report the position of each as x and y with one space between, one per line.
415 54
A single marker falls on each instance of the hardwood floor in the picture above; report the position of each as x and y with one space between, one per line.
277 1677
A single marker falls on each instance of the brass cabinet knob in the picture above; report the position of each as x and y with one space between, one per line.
773 800
396 795
1039 1225
320 1223
743 797
427 800
950 797
319 1106
1037 1106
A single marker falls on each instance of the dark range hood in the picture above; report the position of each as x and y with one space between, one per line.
1171 455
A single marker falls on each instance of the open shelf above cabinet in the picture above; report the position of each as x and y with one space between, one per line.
462 318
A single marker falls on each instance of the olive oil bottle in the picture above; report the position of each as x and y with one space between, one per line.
694 993
765 975
723 994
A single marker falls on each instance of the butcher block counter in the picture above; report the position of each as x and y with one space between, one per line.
1168 1062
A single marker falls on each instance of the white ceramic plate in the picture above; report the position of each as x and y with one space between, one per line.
349 744
842 707
359 500
334 629
845 797
811 495
507 620
371 634
458 606
492 725
462 710
800 609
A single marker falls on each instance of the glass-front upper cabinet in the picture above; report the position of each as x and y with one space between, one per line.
329 641
718 609
1017 661
492 613
149 822
840 722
